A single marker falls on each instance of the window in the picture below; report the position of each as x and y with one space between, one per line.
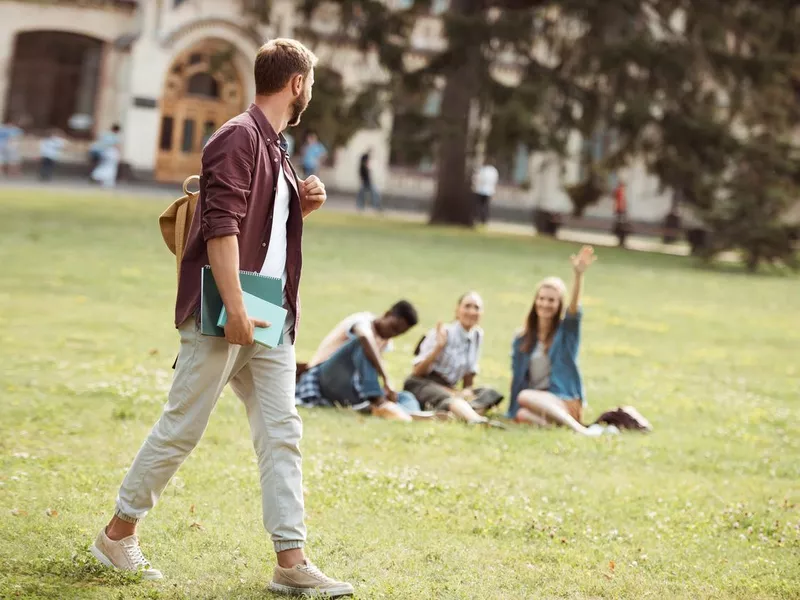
167 124
208 130
433 104
203 84
439 6
54 78
187 144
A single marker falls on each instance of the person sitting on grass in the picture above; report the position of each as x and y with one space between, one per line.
347 367
546 387
447 356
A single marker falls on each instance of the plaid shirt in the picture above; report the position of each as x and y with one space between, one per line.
309 394
460 355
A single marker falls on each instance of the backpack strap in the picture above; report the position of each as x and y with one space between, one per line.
183 219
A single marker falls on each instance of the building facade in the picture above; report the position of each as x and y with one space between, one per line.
170 72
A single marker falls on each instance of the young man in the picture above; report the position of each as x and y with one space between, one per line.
347 367
249 217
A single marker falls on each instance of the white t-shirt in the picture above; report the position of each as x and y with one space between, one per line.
339 336
486 181
275 262
51 147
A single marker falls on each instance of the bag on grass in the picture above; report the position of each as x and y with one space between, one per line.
625 417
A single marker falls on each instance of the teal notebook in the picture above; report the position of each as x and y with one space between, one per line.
261 309
261 286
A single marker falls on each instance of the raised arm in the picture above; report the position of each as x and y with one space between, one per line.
430 351
580 263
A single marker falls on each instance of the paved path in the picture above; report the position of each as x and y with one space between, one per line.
342 203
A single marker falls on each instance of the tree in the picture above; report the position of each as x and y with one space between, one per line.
691 88
724 138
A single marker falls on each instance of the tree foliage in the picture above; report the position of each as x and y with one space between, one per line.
704 92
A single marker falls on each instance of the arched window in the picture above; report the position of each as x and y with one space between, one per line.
54 77
203 84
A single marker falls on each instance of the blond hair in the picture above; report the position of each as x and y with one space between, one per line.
278 61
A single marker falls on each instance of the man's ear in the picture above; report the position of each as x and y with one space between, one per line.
297 84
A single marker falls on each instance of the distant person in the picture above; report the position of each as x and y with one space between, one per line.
367 185
105 173
546 387
446 364
312 154
50 149
101 144
484 185
10 135
347 367
620 213
289 144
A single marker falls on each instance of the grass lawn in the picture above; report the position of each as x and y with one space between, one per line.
708 506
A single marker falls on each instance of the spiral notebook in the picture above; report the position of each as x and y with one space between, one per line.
267 311
269 289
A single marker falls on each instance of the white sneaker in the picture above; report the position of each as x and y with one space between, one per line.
124 554
307 580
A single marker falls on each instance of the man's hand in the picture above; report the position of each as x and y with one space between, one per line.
388 390
312 195
239 329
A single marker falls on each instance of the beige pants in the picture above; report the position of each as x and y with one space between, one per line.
264 379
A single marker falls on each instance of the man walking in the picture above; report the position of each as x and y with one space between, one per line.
249 217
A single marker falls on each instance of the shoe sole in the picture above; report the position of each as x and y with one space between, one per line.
98 554
344 590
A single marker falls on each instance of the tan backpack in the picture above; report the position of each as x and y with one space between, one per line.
176 221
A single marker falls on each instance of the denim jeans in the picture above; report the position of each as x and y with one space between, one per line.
374 196
338 376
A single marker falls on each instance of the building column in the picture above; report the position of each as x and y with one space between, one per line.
7 39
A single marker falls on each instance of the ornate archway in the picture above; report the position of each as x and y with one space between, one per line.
202 90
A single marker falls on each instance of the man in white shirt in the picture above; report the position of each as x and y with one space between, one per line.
347 367
484 184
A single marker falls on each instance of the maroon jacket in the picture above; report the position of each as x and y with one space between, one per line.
240 165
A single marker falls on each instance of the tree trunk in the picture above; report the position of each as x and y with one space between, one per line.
454 203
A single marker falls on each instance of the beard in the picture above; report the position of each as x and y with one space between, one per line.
298 108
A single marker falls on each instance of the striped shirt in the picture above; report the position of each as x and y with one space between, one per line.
460 355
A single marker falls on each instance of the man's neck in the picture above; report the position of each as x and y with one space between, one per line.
275 113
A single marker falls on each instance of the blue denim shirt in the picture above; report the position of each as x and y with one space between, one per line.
565 375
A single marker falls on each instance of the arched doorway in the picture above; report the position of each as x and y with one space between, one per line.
54 77
202 91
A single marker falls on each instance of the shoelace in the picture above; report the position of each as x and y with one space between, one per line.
134 552
314 571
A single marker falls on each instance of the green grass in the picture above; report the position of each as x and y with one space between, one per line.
705 507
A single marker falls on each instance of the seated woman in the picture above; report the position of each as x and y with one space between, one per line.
448 355
546 386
